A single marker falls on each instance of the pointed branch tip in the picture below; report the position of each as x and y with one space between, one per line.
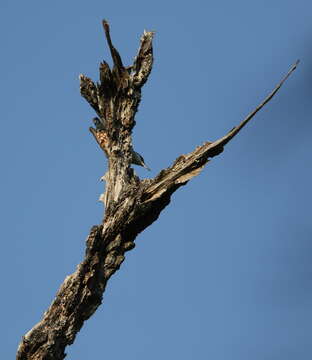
114 53
225 139
105 25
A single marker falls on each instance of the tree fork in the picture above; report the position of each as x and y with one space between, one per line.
131 204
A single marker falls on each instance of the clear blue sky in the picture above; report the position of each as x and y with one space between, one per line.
225 273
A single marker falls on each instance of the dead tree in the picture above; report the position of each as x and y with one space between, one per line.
131 204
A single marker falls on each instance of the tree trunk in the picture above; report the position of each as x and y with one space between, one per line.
131 204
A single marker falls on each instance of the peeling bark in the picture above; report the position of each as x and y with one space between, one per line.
131 204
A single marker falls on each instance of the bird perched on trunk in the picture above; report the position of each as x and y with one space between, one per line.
137 159
98 124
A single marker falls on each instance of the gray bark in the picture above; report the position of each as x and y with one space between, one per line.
131 204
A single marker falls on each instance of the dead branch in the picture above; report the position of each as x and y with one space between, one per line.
131 204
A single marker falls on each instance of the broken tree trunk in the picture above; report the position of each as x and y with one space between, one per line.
131 204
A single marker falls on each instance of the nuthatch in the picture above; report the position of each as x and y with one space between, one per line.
137 159
98 124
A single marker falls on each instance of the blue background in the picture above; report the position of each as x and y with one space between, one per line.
225 273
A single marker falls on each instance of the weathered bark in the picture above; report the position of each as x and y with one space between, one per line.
131 204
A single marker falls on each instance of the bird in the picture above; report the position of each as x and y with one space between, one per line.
137 159
98 124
